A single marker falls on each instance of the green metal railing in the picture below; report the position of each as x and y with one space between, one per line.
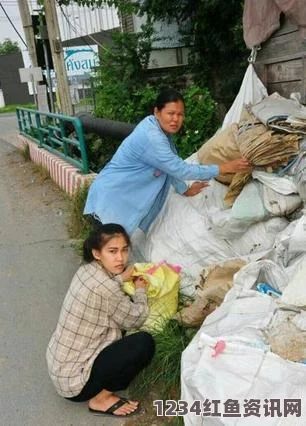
50 131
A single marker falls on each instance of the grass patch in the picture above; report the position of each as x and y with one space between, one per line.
79 224
12 108
164 371
25 152
161 379
41 171
86 101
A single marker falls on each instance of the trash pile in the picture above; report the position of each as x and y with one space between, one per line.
242 245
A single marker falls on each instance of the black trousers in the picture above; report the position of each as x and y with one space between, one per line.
117 365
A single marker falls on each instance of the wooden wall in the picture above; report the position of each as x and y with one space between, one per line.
281 62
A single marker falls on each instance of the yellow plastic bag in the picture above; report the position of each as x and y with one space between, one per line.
164 280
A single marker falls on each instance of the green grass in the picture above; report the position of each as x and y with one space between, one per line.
86 101
12 108
164 370
25 152
79 226
41 171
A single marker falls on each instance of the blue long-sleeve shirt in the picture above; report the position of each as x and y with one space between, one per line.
132 187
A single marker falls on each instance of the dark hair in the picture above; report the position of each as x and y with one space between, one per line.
167 95
99 236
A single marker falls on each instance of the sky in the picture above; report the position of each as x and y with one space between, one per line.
7 30
80 22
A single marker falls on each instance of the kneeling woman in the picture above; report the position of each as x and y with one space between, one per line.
88 359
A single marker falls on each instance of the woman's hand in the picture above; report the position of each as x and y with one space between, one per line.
195 188
234 166
140 282
127 274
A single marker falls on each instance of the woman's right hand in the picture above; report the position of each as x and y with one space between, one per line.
127 274
234 166
140 282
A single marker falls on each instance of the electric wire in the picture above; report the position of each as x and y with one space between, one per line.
10 21
77 32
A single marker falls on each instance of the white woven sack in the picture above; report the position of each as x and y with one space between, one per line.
251 91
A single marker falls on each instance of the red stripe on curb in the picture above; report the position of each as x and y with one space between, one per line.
66 176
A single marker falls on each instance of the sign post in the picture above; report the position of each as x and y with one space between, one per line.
31 75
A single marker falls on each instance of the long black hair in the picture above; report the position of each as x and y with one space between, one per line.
99 236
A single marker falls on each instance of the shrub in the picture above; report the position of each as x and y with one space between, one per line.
79 225
126 92
100 150
200 122
122 73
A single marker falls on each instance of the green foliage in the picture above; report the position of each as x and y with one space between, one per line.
122 73
219 55
25 152
126 93
165 366
200 122
8 46
213 31
12 107
99 150
79 225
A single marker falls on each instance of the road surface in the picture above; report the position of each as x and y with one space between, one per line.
37 263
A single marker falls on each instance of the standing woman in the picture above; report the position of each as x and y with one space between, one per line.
132 188
88 359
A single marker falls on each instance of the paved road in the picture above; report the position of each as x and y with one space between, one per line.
8 128
36 266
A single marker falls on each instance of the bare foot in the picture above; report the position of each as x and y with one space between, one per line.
105 399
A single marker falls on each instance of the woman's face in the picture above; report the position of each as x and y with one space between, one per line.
113 255
171 117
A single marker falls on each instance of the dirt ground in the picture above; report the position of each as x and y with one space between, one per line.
33 181
148 417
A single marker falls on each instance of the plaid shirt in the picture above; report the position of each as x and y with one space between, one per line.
94 312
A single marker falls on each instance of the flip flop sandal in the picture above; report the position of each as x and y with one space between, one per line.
110 411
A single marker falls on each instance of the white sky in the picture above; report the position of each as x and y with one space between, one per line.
6 29
83 22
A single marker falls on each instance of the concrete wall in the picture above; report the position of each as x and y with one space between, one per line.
164 58
14 92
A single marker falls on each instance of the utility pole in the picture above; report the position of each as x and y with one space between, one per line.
30 39
63 92
28 30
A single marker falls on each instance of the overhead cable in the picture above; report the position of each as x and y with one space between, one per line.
13 25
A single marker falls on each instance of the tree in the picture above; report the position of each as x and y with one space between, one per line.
8 46
213 31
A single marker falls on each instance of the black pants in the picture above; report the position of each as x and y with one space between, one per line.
117 365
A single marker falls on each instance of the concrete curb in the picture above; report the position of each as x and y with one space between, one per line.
66 176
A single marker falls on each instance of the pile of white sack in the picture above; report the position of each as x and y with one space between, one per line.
252 348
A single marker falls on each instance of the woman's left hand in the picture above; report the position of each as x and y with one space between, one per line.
195 188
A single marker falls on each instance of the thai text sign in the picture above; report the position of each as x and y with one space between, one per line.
80 59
